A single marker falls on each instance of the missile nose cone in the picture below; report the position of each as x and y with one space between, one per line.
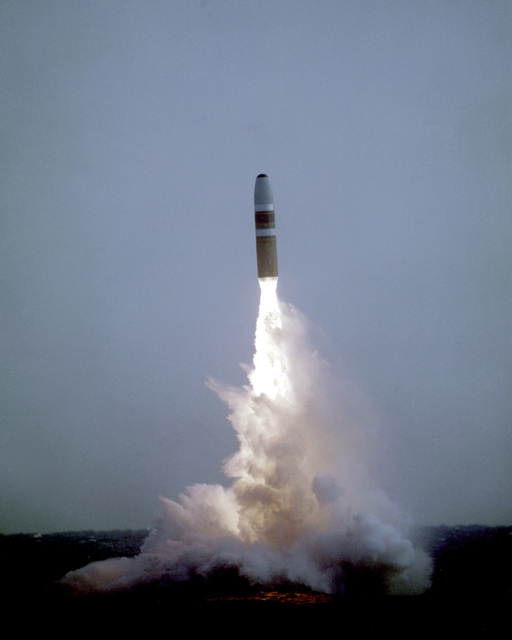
263 191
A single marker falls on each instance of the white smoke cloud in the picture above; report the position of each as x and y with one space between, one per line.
302 507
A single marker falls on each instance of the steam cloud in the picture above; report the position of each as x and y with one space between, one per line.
301 507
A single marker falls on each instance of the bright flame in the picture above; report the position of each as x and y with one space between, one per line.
270 375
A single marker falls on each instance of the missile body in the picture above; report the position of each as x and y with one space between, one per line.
264 219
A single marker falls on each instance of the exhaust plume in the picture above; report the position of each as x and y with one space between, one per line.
301 507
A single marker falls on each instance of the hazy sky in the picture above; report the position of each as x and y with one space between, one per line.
131 136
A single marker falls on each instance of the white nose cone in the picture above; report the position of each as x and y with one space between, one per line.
263 196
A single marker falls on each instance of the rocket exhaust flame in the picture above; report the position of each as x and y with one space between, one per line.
269 375
300 507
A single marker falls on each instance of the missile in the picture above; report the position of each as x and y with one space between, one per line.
264 220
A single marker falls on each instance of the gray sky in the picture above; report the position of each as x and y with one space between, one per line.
131 135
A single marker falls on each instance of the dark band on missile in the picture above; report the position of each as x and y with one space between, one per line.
265 219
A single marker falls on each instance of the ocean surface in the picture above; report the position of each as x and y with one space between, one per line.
471 590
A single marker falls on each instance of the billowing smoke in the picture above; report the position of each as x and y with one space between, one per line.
301 507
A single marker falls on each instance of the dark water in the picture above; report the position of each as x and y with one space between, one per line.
471 591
